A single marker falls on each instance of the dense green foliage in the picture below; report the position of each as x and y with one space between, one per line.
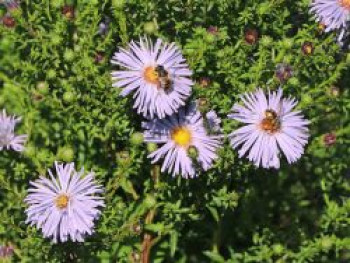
235 212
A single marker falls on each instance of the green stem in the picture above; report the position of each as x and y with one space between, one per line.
148 240
217 238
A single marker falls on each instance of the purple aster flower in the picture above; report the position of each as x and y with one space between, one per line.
65 206
283 72
103 26
182 134
6 251
158 74
330 139
213 30
213 122
334 14
270 127
10 4
8 139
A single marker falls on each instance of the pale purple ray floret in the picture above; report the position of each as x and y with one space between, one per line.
180 134
213 122
64 206
334 14
270 127
139 74
8 138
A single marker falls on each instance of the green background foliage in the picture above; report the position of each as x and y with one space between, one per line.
232 213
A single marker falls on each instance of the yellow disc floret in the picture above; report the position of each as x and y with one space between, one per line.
62 201
181 136
151 75
345 4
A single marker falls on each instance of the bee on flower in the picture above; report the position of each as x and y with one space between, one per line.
157 74
270 127
333 14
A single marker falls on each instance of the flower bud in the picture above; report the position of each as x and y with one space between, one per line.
151 147
192 152
307 48
68 55
321 27
65 154
42 87
204 82
51 74
326 242
334 91
329 139
135 256
8 21
251 36
123 158
99 57
278 249
266 41
68 97
68 11
150 27
213 30
283 72
136 138
203 104
37 97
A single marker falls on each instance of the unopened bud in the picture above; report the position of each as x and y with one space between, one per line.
151 147
136 138
192 152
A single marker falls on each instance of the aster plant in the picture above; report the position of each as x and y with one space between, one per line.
271 127
156 73
334 14
64 207
8 139
186 144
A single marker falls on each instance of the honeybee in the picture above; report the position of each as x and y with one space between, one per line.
272 123
165 82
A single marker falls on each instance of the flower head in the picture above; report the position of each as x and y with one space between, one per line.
308 48
8 139
330 139
156 73
334 14
251 36
214 30
283 72
10 4
8 21
103 26
6 251
65 206
213 122
270 127
181 134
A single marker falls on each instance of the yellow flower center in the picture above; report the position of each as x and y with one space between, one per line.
62 201
151 75
271 123
345 4
181 136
